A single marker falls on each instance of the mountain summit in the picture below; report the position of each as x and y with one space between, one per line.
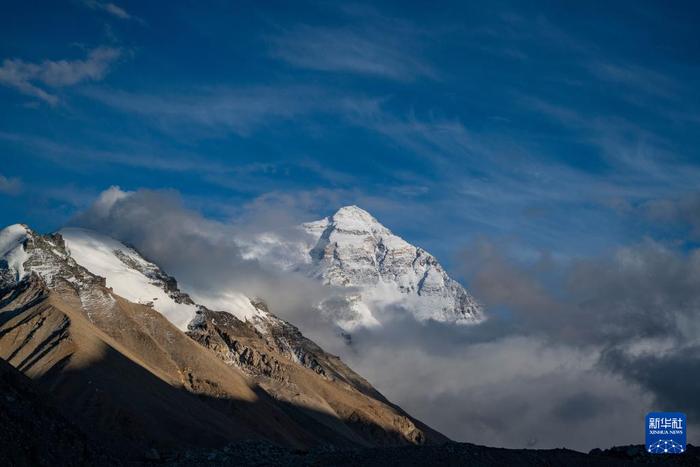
352 249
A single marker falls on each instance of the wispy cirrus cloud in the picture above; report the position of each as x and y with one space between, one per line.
683 211
350 50
30 78
108 7
81 157
10 185
484 168
368 44
635 78
238 110
241 177
637 149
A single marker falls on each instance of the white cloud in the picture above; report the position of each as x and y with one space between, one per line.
26 77
571 359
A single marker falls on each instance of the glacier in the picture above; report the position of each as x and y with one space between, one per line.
351 249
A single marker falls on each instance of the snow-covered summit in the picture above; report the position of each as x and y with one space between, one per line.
352 218
352 249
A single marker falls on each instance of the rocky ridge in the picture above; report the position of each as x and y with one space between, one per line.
114 361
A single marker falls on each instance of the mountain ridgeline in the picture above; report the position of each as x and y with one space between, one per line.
140 367
105 361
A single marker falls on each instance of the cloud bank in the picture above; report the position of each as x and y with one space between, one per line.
205 255
573 354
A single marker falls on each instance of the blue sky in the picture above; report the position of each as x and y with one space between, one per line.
556 127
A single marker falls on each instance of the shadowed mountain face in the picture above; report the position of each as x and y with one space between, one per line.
134 381
449 454
33 432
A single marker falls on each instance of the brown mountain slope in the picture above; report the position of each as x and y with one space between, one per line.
147 390
295 370
128 377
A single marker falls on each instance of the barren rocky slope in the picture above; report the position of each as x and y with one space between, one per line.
131 378
313 383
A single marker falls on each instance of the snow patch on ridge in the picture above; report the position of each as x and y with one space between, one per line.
235 303
140 281
100 255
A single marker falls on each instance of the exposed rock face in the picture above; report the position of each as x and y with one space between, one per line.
233 342
258 349
127 374
352 249
293 369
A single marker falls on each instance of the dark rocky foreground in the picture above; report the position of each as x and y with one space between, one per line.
451 454
34 432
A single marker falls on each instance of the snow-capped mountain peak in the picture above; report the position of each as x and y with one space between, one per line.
352 249
353 217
